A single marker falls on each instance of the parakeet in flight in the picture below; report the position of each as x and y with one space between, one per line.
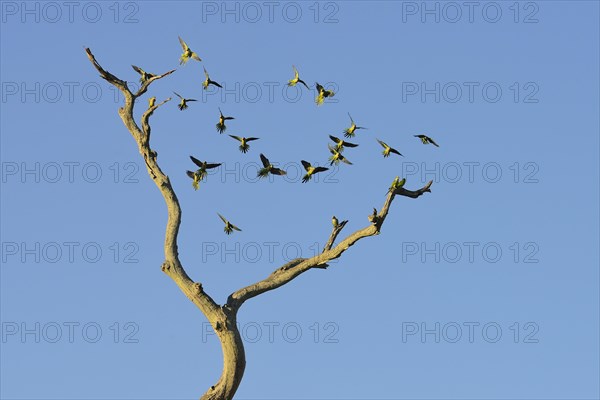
340 144
221 125
296 79
351 132
426 139
244 146
207 82
183 103
336 157
387 149
187 53
268 168
229 227
201 172
144 76
310 170
322 94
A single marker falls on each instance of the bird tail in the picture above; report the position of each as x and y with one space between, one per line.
348 134
244 149
263 172
221 127
305 178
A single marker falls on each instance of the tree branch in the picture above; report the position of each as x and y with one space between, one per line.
145 85
172 265
334 234
294 268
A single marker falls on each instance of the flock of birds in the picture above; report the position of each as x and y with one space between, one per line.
268 168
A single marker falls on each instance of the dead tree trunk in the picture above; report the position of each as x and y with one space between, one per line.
223 318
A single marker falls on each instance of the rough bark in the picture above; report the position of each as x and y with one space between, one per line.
223 318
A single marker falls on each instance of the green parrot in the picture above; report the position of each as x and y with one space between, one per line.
268 168
183 103
397 184
336 223
426 139
351 132
337 157
322 94
229 227
310 170
187 53
144 76
296 79
244 146
207 82
387 149
201 172
221 125
340 144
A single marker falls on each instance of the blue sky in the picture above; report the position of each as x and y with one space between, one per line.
486 288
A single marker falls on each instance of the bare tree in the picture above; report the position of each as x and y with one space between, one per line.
223 317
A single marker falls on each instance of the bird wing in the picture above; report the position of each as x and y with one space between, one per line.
319 87
191 100
433 143
345 160
348 144
236 137
335 139
235 227
210 166
305 164
190 174
395 151
419 136
176 94
196 57
206 73
196 161
382 143
296 74
251 139
304 83
183 44
138 69
277 171
320 169
331 149
222 218
351 120
264 160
